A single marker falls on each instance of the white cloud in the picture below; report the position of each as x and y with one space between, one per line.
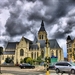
4 16
62 43
54 29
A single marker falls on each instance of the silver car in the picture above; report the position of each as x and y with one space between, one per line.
65 67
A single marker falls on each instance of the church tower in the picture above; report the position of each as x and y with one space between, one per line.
42 34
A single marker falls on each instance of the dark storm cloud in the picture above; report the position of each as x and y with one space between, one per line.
7 3
66 31
53 10
16 27
31 0
60 35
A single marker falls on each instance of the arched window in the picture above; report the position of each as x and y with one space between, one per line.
21 52
52 53
32 55
42 54
37 54
57 53
42 36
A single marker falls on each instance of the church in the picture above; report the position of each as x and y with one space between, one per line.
27 48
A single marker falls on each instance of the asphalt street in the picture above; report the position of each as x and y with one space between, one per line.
18 71
28 73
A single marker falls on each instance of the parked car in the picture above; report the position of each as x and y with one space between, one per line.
26 65
65 66
52 67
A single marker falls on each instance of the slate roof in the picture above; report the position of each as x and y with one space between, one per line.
42 28
42 43
52 43
35 40
11 45
28 40
9 52
33 46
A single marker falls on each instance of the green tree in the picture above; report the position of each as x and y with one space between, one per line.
8 60
1 52
47 58
25 59
29 60
39 59
21 61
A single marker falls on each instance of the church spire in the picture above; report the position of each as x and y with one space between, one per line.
42 28
42 34
42 24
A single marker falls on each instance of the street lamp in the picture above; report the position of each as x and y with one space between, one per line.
47 62
1 52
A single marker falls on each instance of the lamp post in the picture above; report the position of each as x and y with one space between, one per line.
47 62
1 52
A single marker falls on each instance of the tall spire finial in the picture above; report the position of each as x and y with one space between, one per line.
42 24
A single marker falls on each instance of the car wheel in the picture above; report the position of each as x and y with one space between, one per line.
33 67
57 70
21 67
73 71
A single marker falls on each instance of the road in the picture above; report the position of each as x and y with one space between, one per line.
18 71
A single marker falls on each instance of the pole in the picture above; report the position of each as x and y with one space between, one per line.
0 63
47 63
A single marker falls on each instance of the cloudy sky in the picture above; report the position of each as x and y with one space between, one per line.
23 18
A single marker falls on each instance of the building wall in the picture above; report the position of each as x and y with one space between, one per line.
24 44
3 57
40 35
71 50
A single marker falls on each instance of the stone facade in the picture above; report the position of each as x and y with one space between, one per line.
70 49
26 48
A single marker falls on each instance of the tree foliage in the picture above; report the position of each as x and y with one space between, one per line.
47 58
25 59
21 61
29 60
8 60
1 50
39 58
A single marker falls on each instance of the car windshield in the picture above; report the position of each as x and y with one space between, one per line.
72 63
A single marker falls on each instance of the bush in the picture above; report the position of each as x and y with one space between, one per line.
39 59
21 61
25 59
29 60
8 60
